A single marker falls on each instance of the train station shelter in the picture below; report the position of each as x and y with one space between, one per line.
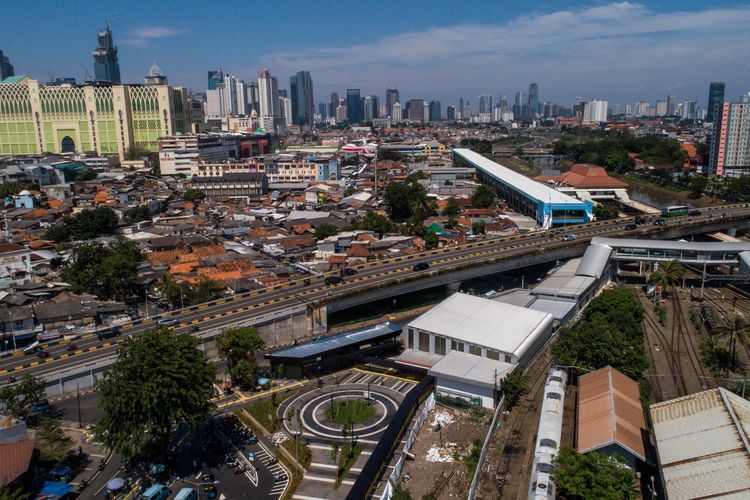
548 206
325 354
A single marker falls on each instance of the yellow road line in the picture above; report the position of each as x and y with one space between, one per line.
384 375
244 397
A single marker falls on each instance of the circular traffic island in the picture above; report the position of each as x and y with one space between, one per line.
350 411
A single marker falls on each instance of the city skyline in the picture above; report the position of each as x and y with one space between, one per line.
586 51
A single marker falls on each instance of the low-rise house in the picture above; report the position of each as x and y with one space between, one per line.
17 325
15 265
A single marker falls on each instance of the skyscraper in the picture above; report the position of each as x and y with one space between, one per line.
391 98
730 141
450 113
6 68
595 111
715 97
215 77
416 110
503 101
370 108
533 100
285 105
671 105
333 105
461 109
106 65
268 94
435 112
353 106
323 110
396 112
301 90
661 108
689 109
485 104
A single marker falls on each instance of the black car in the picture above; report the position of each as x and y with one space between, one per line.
640 220
660 222
348 271
631 227
420 266
333 280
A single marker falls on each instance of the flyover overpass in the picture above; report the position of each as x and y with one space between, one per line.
687 252
374 280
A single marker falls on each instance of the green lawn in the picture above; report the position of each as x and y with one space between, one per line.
347 457
264 411
355 410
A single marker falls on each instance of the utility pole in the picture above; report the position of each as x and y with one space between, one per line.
78 397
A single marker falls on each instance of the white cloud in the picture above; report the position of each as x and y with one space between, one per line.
140 37
603 50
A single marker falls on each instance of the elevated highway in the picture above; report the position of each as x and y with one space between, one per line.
374 280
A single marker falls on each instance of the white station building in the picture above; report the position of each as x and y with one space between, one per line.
471 343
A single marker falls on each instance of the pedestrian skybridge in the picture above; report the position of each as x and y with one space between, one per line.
687 252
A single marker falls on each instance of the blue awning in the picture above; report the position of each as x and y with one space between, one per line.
53 490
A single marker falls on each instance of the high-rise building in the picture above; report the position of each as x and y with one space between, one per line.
301 90
416 110
106 65
268 94
485 104
396 112
661 108
370 108
354 112
252 98
333 105
323 110
391 98
595 111
688 110
730 140
616 110
107 119
341 111
533 100
715 97
503 101
671 105
461 109
435 113
282 93
6 68
450 113
215 77
642 108
285 104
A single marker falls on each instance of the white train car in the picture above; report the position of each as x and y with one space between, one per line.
542 485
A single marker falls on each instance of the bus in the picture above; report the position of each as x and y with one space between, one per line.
107 332
675 211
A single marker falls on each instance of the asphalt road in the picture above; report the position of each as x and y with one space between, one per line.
229 311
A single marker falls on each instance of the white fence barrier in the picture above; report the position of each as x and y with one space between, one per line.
429 404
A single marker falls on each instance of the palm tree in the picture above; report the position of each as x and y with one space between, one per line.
668 275
420 208
737 329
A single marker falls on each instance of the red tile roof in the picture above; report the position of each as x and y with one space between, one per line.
585 177
15 459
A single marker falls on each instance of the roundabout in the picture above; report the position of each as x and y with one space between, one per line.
326 411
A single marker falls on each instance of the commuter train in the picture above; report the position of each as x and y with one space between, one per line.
542 485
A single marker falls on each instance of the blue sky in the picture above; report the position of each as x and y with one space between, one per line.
621 52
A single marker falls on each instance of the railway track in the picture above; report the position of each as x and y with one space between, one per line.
509 445
667 348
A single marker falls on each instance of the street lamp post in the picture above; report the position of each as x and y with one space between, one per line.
182 300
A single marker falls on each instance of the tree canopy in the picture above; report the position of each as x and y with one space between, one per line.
610 333
51 440
606 212
402 200
484 197
15 399
373 222
325 230
84 225
188 294
137 214
193 194
159 381
13 188
106 271
238 346
592 476
452 208
87 175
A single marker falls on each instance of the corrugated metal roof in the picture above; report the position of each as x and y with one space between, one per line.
15 459
702 442
689 246
533 189
337 341
483 322
594 261
609 411
471 369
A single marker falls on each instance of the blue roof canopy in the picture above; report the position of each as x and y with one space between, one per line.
337 341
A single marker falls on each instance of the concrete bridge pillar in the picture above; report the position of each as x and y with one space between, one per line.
453 287
732 231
